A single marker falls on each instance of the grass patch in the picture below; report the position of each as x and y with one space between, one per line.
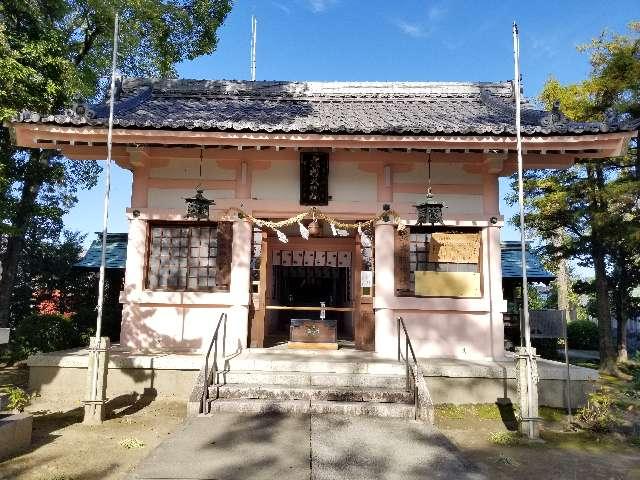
550 414
505 439
486 411
130 443
450 411
483 411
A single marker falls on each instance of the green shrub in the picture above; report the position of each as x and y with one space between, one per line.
18 398
46 333
598 414
583 335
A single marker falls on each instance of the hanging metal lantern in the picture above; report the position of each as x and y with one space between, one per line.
198 206
430 211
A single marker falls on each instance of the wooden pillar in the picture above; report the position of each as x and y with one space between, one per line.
257 330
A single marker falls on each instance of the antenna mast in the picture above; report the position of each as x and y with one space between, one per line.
254 31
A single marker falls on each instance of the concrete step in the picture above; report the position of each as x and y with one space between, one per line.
274 364
262 406
283 392
299 379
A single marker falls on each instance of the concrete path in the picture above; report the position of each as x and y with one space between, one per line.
229 446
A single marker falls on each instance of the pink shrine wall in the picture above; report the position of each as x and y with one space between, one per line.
265 183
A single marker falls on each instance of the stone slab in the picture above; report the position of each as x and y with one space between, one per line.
358 448
229 446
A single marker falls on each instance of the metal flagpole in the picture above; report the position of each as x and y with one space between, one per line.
525 292
105 215
254 34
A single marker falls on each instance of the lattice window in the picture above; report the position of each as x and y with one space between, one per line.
182 257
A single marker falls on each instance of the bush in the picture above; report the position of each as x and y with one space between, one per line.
47 333
583 335
598 414
18 398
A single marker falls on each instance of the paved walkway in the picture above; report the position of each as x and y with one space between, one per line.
319 447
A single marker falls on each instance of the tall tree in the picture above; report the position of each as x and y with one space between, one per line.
594 203
54 50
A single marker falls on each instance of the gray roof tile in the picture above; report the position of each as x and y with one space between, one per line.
323 107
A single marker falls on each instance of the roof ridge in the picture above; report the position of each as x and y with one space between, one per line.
317 88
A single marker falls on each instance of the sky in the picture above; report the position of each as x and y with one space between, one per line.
412 40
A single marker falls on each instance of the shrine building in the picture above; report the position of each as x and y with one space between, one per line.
311 236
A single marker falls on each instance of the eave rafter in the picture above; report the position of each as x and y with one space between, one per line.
132 147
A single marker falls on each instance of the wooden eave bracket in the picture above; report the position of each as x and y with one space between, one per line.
138 156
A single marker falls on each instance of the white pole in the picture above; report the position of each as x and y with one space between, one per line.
105 214
523 255
254 32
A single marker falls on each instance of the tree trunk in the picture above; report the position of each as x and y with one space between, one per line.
23 216
562 276
607 352
623 320
597 209
621 295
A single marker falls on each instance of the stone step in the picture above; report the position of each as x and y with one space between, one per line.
262 406
283 392
299 379
389 367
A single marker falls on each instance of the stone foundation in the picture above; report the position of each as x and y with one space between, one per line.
15 433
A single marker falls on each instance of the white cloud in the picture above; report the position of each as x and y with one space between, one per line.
436 12
282 7
412 29
319 6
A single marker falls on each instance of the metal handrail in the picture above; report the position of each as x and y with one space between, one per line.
408 347
412 373
214 368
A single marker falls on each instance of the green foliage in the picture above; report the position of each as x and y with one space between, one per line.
55 50
52 52
588 213
485 411
505 439
130 443
451 411
18 398
598 414
551 414
582 335
47 333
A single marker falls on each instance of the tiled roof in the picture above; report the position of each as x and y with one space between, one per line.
405 108
512 264
116 252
